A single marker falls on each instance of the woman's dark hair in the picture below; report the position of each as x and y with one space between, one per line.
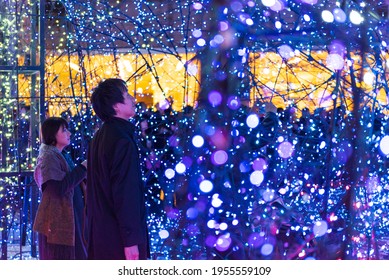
106 95
49 129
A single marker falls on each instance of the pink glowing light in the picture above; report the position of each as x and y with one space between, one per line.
285 150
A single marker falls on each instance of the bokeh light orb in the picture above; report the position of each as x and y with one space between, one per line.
327 16
384 145
197 33
192 213
235 132
268 195
320 228
236 6
369 78
252 121
211 224
223 226
251 4
219 157
218 39
266 249
285 150
206 186
223 25
209 130
335 61
216 201
285 51
268 3
256 178
233 102
192 69
215 98
180 168
223 243
337 47
249 22
339 15
197 6
244 166
312 2
198 141
163 234
278 6
201 42
164 104
169 173
356 18
259 164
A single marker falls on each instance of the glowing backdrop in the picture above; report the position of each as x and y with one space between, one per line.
225 180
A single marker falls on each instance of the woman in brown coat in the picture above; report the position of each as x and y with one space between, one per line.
55 220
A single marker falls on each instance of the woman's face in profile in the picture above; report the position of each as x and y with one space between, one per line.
62 138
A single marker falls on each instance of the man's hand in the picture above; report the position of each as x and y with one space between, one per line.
131 253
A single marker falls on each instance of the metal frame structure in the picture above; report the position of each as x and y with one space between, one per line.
22 68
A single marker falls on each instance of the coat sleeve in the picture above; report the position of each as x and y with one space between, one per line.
68 183
127 192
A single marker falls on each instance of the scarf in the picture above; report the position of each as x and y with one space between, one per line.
51 165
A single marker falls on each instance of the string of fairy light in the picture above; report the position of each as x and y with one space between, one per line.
213 190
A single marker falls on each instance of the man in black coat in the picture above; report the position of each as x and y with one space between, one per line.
115 194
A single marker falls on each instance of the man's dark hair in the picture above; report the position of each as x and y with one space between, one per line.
106 95
49 129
